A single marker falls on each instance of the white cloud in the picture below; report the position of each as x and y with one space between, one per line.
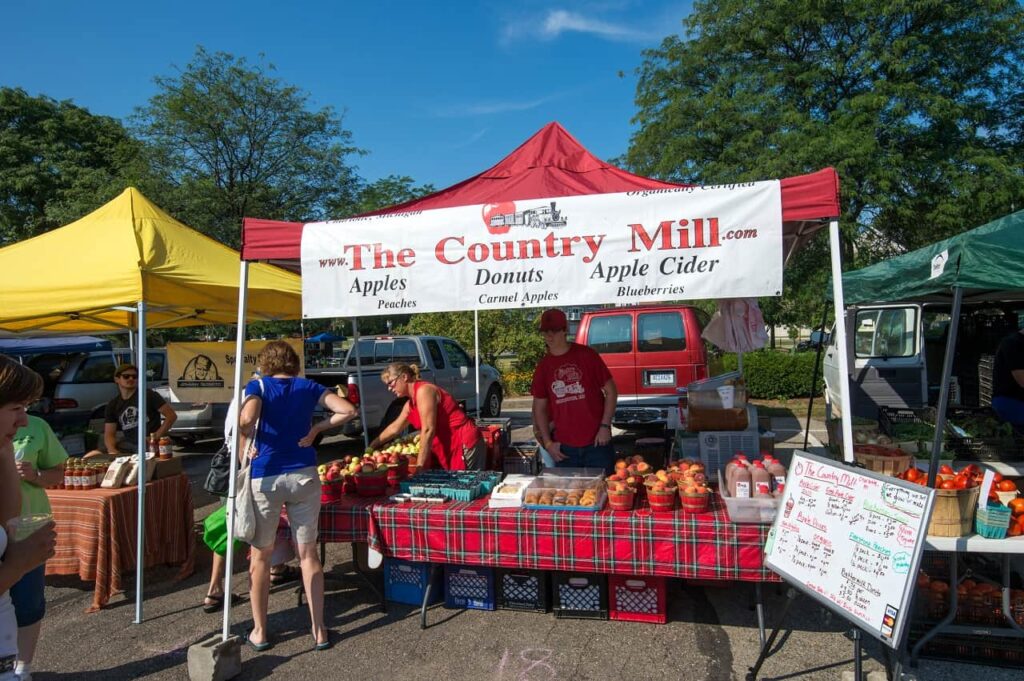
472 139
554 23
492 107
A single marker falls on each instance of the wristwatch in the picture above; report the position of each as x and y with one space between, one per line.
606 425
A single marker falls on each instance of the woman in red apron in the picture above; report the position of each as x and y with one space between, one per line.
445 429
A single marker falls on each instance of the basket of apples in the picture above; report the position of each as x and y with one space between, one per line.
694 494
661 491
332 478
621 496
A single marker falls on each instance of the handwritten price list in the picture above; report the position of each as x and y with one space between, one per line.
851 539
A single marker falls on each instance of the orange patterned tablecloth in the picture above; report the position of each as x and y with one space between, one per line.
96 533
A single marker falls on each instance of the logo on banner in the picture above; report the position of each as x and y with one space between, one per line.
200 372
501 217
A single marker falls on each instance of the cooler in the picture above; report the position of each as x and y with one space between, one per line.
717 447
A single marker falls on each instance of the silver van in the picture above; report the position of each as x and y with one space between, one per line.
896 354
81 392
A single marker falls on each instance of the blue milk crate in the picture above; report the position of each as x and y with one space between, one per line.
406 582
469 586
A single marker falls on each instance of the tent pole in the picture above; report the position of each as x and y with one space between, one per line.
814 378
844 358
236 436
140 448
476 358
359 384
947 371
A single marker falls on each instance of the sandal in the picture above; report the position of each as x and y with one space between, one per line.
287 574
213 604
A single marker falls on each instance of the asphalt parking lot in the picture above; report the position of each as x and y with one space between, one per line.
711 633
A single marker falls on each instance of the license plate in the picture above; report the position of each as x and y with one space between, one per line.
661 378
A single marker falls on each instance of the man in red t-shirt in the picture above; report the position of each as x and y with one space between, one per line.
573 389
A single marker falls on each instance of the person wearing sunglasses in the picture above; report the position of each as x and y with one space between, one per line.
449 439
121 418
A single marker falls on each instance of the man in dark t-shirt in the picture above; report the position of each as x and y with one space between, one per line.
122 413
1008 380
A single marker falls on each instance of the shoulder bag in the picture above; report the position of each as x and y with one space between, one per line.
244 518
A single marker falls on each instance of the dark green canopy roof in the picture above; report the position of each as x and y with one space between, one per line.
987 262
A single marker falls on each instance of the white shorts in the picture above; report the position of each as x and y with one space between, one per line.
299 493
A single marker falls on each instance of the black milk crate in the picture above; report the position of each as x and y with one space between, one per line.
996 651
888 417
580 595
1008 447
527 590
468 586
522 457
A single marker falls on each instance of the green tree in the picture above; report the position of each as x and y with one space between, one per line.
918 105
227 140
57 163
384 193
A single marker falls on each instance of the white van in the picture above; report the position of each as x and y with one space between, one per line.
896 354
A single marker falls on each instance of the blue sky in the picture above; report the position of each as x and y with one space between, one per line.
437 91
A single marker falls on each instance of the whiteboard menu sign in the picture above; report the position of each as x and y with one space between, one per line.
851 539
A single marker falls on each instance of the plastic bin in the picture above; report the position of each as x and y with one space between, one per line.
580 595
637 599
504 427
406 582
469 587
756 510
527 590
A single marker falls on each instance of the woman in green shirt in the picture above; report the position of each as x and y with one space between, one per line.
40 457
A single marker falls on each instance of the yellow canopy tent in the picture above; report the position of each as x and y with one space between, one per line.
89 276
128 266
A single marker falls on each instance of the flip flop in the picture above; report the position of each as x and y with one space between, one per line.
218 603
258 647
325 645
288 574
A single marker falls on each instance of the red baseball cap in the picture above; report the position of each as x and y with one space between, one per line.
553 320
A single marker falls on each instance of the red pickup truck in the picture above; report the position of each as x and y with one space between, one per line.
651 350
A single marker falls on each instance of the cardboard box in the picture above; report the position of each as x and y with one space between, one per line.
165 468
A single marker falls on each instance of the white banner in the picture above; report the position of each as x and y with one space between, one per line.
633 247
205 372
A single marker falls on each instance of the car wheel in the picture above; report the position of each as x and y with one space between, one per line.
492 403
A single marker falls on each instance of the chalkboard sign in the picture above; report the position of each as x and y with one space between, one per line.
851 539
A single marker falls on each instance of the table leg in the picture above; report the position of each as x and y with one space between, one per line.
1007 612
426 594
369 582
759 605
950 616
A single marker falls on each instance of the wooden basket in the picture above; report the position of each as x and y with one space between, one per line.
953 514
884 460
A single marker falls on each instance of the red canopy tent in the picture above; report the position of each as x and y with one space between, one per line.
553 163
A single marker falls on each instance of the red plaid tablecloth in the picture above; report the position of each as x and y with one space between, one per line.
348 519
693 546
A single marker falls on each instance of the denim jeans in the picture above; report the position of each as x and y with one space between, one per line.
591 456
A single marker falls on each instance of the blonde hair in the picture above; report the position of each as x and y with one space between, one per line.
278 357
410 371
18 383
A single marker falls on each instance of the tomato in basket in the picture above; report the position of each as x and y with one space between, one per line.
1006 486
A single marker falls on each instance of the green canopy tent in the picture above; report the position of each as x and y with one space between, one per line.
980 265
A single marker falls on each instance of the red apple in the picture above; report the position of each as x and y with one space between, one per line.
492 209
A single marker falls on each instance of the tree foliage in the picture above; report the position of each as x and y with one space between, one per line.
918 105
57 163
384 193
227 140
